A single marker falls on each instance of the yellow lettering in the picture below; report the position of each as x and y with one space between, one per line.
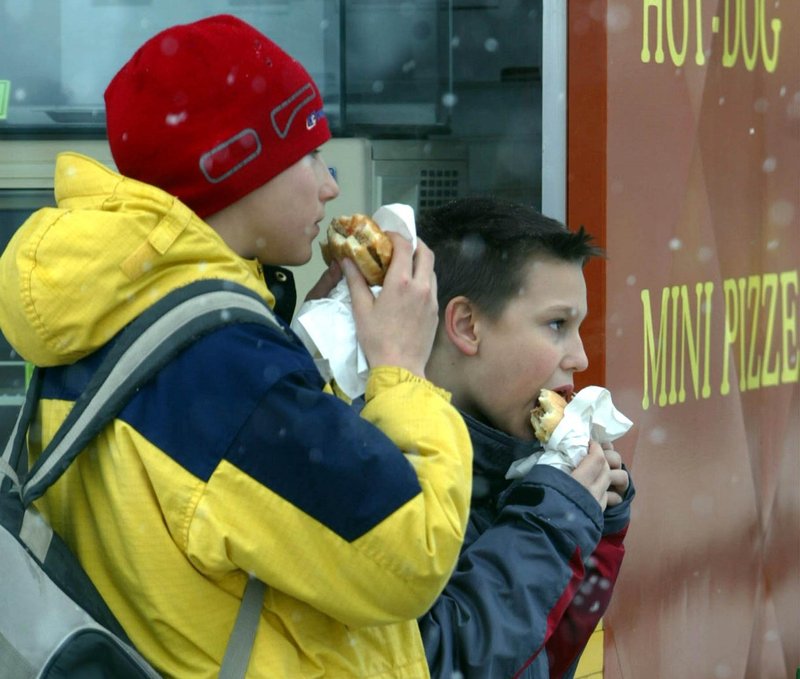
673 394
770 60
730 53
744 25
753 297
708 288
731 330
699 54
678 57
658 6
761 337
769 284
654 359
789 350
691 337
742 323
749 53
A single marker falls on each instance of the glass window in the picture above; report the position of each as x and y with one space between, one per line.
438 98
467 71
15 206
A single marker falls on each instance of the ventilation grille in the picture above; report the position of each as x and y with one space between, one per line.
437 187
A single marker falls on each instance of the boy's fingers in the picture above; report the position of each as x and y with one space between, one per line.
423 258
401 254
619 480
330 277
614 458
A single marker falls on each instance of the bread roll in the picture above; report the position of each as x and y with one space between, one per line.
360 239
547 414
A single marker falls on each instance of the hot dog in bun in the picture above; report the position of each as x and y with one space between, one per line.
360 239
547 414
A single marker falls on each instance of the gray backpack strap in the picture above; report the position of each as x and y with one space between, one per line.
14 461
240 644
142 349
145 346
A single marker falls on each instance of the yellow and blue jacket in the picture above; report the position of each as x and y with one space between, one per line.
236 459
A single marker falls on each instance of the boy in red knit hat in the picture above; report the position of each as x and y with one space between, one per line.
236 460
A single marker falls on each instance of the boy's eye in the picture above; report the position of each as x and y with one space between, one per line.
557 323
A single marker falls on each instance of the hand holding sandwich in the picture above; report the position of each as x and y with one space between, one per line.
594 473
600 471
398 326
619 477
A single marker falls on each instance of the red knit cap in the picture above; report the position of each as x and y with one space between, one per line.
210 111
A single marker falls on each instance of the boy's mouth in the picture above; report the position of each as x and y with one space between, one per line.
566 391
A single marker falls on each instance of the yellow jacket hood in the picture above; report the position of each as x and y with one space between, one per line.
73 276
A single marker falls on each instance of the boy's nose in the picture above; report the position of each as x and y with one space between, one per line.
576 359
330 187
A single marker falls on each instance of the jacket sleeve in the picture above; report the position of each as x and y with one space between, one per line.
591 601
514 580
361 516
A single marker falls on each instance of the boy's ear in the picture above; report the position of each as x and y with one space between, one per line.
459 324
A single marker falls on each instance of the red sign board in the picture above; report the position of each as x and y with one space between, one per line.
700 191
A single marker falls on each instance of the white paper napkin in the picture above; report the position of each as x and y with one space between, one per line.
327 327
589 415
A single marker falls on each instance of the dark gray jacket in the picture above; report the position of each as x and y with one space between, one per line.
535 575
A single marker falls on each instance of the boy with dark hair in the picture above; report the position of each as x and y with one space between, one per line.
542 552
236 460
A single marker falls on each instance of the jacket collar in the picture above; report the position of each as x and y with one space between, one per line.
493 453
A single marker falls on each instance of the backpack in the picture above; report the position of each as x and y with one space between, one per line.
54 622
